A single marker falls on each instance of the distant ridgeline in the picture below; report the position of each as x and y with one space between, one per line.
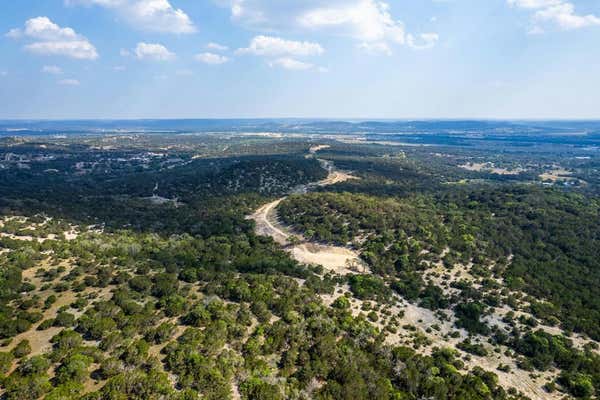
562 131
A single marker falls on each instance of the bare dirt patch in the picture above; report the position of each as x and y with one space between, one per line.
339 260
557 175
491 168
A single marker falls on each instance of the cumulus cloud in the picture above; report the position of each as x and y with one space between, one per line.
291 64
275 46
216 46
365 20
370 22
14 33
51 39
148 15
559 13
44 29
533 4
211 58
77 49
283 53
52 69
153 51
295 65
69 82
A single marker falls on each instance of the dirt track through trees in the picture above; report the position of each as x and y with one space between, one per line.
341 260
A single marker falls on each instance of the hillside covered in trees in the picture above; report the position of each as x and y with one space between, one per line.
129 269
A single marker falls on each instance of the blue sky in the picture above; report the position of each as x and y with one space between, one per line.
292 58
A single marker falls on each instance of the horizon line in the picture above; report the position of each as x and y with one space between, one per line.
339 119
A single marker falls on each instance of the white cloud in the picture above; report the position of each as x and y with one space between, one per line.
15 33
376 48
283 52
216 46
295 65
52 69
365 20
44 29
291 64
51 39
369 22
104 3
69 82
211 58
148 15
564 16
82 50
153 51
275 46
534 4
560 13
245 11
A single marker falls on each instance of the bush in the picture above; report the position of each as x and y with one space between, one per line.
6 360
578 385
369 287
342 302
45 324
64 319
468 317
22 349
140 284
255 388
49 301
476 349
373 317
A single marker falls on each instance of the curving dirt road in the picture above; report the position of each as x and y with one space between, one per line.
340 260
267 224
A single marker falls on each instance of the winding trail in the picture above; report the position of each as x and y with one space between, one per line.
338 259
343 260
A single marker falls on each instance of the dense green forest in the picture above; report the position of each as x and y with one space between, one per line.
551 237
129 270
